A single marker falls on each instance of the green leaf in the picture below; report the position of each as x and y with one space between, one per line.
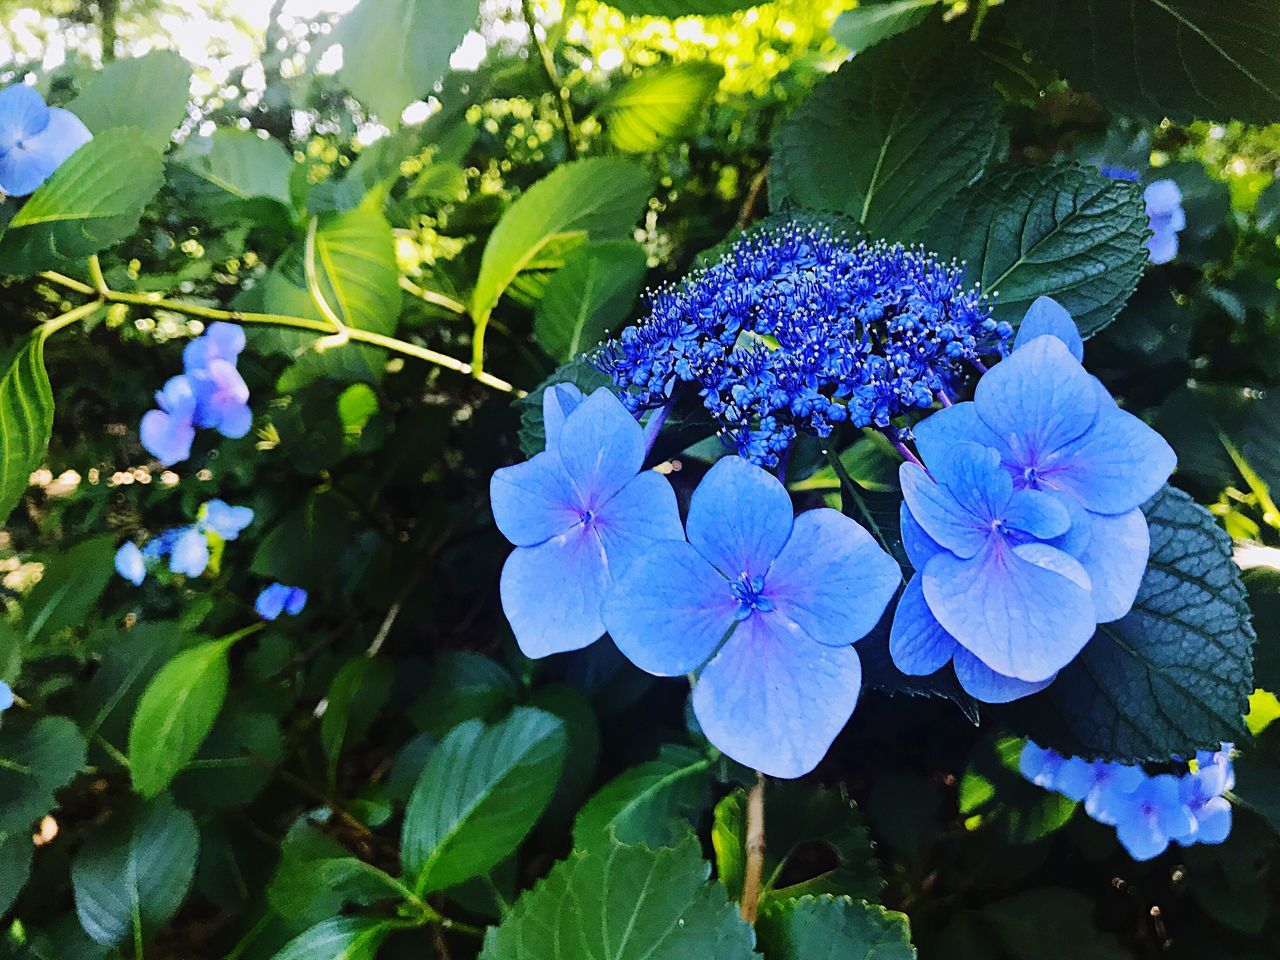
1057 230
135 872
660 104
594 199
580 373
234 764
1172 676
35 762
673 9
833 928
868 23
1051 924
994 794
318 876
15 864
652 803
358 692
176 713
890 136
92 201
235 172
588 297
1183 59
624 903
72 583
463 686
26 421
395 51
799 818
148 93
339 938
481 791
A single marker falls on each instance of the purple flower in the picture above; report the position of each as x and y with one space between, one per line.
768 605
6 697
167 433
278 598
221 341
225 520
579 513
34 139
190 552
222 399
130 563
1166 217
1150 816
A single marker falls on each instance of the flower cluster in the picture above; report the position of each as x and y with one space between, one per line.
278 598
1164 213
1023 521
798 329
209 393
1147 811
35 139
187 548
766 605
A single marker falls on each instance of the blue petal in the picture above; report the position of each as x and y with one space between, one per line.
1021 619
938 513
1037 400
1213 821
937 434
558 401
6 696
601 446
190 554
221 341
917 643
984 684
918 545
639 515
24 168
1162 196
271 601
295 602
1040 514
221 395
670 610
535 500
1040 765
832 579
225 520
1162 246
23 114
166 437
740 517
1141 837
774 700
552 593
1116 559
1047 317
130 563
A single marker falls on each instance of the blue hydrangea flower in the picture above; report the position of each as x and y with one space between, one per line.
225 520
1167 219
1040 765
1098 784
189 554
167 433
558 401
768 605
579 513
34 139
1151 816
278 598
130 563
6 697
220 341
1203 791
799 329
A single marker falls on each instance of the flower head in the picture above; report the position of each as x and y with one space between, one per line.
768 605
167 433
221 341
189 554
278 598
798 329
1166 217
225 520
34 139
1150 816
579 513
131 564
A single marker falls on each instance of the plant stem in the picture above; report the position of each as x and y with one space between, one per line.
431 296
755 851
558 89
50 327
983 7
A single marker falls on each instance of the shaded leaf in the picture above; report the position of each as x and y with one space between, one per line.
35 762
868 23
651 803
339 938
26 421
833 928
588 297
148 93
235 171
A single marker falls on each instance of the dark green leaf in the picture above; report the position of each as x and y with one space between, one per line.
1258 775
359 691
234 763
868 23
26 420
15 864
890 136
588 297
833 928
92 201
1263 584
660 104
1061 231
148 93
1183 59
318 876
581 373
136 871
652 803
35 762
1172 676
339 938
175 714
463 686
1051 924
624 903
72 583
481 791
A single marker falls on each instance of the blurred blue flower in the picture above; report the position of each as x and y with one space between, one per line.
130 563
1151 816
768 605
579 513
167 433
34 139
189 554
6 697
222 399
1040 765
1098 784
278 598
220 341
1167 219
225 520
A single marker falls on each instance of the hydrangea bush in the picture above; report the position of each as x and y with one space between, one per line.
637 497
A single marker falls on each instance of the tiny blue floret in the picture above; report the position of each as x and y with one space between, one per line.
278 598
35 139
1166 217
190 552
6 697
225 520
130 563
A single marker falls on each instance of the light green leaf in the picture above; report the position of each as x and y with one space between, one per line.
35 762
624 903
92 201
594 199
234 168
394 51
138 870
481 791
1172 676
673 9
339 938
1184 59
588 297
26 421
1056 230
868 23
358 691
72 583
651 803
890 136
660 104
834 928
176 713
148 93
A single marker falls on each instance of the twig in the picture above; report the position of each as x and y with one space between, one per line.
755 851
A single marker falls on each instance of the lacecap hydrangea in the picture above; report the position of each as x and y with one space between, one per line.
797 329
1023 522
